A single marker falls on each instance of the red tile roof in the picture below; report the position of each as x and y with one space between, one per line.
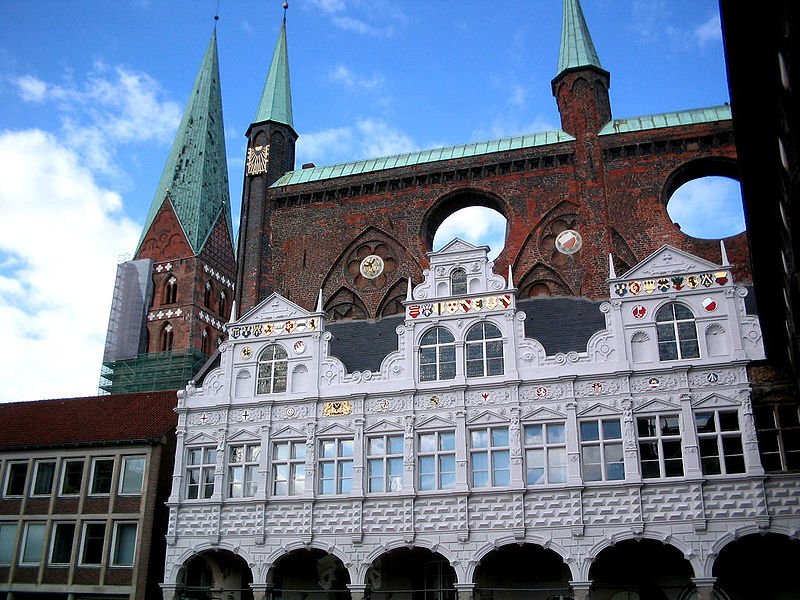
81 421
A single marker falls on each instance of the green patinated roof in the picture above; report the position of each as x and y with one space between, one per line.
195 176
422 157
577 49
276 100
670 119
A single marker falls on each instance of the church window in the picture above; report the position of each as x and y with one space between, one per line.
458 282
167 338
243 470
660 446
171 290
437 355
484 350
721 450
16 474
102 473
335 466
200 465
208 293
545 453
43 474
489 457
601 450
385 463
289 468
205 342
437 460
272 368
71 477
778 427
223 303
677 333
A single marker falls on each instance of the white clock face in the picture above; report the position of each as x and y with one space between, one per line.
371 266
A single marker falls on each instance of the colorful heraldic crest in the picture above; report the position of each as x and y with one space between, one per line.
668 284
459 307
569 242
275 328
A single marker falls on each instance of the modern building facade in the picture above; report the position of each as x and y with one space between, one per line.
84 482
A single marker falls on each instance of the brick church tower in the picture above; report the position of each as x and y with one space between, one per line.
172 300
571 197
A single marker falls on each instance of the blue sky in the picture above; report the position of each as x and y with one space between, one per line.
91 93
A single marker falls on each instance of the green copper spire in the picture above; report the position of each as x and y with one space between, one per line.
195 176
577 49
276 100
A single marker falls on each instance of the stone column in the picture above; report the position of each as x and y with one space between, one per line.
705 587
358 591
465 591
581 590
462 476
691 447
573 449
261 591
630 448
515 443
168 591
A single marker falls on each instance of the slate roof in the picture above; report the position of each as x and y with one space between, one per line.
119 418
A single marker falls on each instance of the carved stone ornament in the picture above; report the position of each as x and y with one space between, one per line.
337 408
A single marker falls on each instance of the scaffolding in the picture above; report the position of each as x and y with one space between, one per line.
151 372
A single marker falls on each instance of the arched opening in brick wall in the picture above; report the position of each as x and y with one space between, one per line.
475 217
704 199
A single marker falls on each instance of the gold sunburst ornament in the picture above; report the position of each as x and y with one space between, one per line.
257 159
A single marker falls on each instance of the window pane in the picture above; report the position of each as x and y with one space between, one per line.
611 430
376 446
17 473
590 431
73 474
728 421
8 535
93 535
667 351
690 349
646 426
395 444
533 434
788 416
44 478
447 441
281 451
427 442
132 475
125 544
555 434
500 436
62 543
101 476
479 438
705 422
682 312
34 541
346 448
665 333
670 426
328 448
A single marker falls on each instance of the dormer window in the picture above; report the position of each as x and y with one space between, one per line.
437 355
677 332
272 367
484 350
458 282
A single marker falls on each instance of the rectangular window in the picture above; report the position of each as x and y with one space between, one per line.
288 468
778 428
243 470
15 478
721 450
489 457
660 446
124 544
32 544
71 477
8 542
43 478
601 450
545 453
200 466
92 544
132 478
385 463
63 539
437 460
102 473
336 466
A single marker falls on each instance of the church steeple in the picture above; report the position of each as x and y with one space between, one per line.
581 84
195 176
276 99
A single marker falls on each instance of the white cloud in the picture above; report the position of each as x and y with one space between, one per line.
710 31
375 18
367 138
377 138
477 225
350 80
59 240
31 89
708 208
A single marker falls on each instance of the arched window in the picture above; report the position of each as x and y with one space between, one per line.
677 332
437 355
458 282
209 291
484 350
223 303
205 346
165 342
171 290
272 367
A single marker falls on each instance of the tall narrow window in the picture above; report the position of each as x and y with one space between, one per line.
720 439
32 544
43 474
123 545
545 453
71 477
171 290
677 332
200 466
272 367
336 466
63 539
102 472
167 336
205 342
208 293
484 350
778 428
385 463
489 457
132 478
437 460
437 355
289 468
16 474
223 303
660 447
601 450
92 543
458 282
243 470
8 542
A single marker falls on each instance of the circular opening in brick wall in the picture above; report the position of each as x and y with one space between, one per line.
708 207
477 225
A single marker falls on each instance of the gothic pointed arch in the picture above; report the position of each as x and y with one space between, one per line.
345 304
542 280
392 303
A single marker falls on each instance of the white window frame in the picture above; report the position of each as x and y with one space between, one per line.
24 543
63 477
247 485
96 460
437 455
778 429
604 444
438 348
720 436
493 451
293 464
486 359
123 469
657 440
341 461
81 552
7 479
677 340
203 468
53 530
115 542
266 384
548 449
36 466
383 462
14 527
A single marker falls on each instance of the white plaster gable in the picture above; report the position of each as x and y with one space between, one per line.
599 410
200 438
435 422
334 429
288 433
244 435
272 308
715 401
657 405
487 418
544 413
668 260
384 426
